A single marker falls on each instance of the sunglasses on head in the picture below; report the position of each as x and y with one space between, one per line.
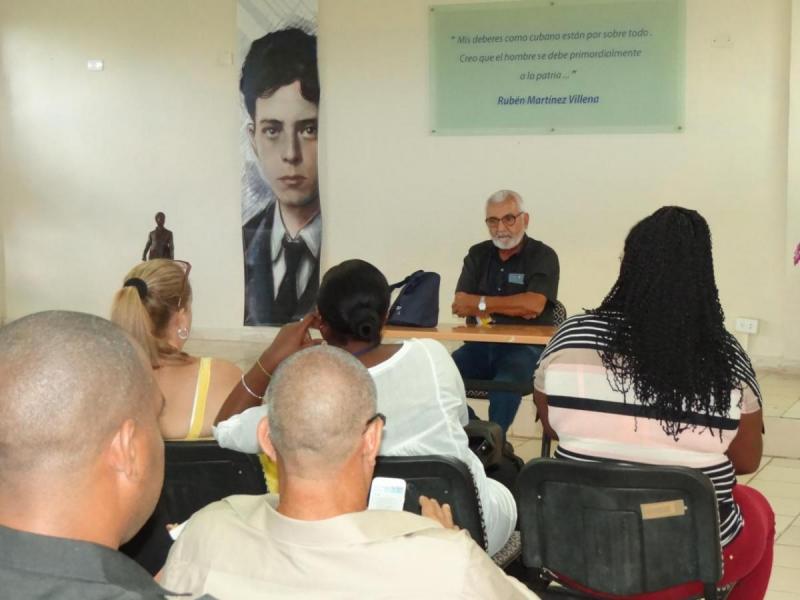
186 266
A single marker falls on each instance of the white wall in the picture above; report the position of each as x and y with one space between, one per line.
5 199
407 200
2 277
93 155
791 295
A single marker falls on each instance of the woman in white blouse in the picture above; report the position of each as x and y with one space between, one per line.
419 387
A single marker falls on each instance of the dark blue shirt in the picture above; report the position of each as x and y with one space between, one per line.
533 269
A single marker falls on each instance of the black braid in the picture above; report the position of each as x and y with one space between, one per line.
667 341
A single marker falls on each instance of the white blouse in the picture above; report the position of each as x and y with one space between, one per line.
422 395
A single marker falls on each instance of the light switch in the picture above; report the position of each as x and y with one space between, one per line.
94 64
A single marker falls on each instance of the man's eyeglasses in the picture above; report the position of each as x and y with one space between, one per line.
374 418
508 220
186 266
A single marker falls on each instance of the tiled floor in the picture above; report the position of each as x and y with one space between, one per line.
781 394
778 477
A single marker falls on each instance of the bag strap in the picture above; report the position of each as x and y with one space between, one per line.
400 284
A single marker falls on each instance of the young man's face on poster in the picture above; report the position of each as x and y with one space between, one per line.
284 136
281 219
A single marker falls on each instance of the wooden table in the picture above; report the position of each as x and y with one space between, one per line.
504 334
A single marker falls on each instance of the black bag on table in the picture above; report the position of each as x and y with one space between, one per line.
417 305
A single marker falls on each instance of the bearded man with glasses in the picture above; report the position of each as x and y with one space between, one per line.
510 279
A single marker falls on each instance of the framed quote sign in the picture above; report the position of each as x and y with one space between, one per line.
561 66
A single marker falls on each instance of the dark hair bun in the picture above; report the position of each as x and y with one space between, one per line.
365 324
353 300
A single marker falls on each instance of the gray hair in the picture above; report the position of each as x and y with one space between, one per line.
67 382
503 195
318 404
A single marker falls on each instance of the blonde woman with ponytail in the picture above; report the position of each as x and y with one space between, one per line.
155 307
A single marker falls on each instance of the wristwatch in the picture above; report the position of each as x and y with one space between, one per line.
482 304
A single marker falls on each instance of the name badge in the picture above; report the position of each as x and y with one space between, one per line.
518 278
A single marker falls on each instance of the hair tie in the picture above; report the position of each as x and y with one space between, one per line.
139 284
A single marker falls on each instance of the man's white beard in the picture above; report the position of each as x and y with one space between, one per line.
507 243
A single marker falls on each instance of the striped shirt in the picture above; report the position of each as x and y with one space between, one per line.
594 421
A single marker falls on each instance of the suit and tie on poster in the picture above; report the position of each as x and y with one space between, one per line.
281 217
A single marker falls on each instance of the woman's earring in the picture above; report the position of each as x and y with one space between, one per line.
183 333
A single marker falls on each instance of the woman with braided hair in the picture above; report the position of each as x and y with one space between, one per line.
652 376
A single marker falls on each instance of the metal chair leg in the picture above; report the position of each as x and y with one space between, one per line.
545 453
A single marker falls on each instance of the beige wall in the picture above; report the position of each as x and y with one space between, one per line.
408 200
96 154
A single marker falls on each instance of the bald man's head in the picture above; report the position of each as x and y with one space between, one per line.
67 382
318 406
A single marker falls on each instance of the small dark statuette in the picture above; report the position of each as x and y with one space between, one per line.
159 241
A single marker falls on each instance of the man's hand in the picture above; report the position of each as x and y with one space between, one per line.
465 305
528 305
438 512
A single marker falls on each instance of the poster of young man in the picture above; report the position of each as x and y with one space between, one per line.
281 218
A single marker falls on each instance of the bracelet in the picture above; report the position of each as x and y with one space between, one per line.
260 366
249 391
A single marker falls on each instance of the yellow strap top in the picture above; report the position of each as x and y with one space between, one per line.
270 473
200 397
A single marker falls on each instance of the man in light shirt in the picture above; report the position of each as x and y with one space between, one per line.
317 540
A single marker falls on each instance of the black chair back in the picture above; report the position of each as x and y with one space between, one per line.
198 473
479 388
559 313
444 478
195 474
619 529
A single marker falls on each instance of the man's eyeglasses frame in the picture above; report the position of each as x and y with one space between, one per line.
507 220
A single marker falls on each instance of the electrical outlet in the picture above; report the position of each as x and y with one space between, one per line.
747 325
